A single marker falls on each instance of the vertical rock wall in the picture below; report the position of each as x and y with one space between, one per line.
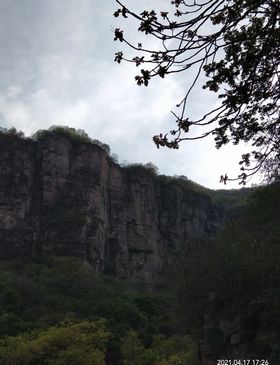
62 196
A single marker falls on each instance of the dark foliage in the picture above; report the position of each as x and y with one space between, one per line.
78 135
51 307
238 275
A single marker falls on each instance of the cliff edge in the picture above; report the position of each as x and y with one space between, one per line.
64 196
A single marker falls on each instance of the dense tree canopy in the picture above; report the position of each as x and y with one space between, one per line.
236 45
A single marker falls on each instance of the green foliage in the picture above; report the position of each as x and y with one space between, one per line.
253 242
184 183
69 343
78 135
231 200
164 351
134 352
149 168
47 306
74 134
121 314
37 294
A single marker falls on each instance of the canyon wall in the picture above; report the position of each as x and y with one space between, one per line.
66 197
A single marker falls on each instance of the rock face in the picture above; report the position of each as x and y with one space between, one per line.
61 196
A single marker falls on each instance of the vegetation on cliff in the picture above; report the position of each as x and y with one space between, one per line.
76 135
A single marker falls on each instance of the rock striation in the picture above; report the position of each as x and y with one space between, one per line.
66 197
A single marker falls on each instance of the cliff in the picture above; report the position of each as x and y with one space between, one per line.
64 196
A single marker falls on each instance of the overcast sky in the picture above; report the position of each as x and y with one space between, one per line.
57 67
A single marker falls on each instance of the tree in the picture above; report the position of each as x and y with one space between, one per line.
236 44
134 353
81 343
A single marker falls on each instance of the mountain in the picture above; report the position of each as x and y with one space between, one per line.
62 193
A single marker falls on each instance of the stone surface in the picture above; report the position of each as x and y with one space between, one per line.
62 196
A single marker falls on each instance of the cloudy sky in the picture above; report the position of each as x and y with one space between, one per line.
57 67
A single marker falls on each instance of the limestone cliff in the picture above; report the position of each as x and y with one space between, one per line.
63 196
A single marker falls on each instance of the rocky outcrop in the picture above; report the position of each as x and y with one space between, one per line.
63 196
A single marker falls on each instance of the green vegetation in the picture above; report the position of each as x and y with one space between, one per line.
74 134
230 198
51 311
78 135
184 183
232 201
82 343
148 168
164 351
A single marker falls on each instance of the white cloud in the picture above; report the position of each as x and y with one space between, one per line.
58 69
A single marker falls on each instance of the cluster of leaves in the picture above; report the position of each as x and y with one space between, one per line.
236 45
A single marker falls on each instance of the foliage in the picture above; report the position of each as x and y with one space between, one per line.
236 45
53 302
149 167
69 343
175 350
232 201
183 183
11 132
78 135
241 268
38 294
134 352
164 351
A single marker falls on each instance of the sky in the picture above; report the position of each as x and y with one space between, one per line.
57 68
